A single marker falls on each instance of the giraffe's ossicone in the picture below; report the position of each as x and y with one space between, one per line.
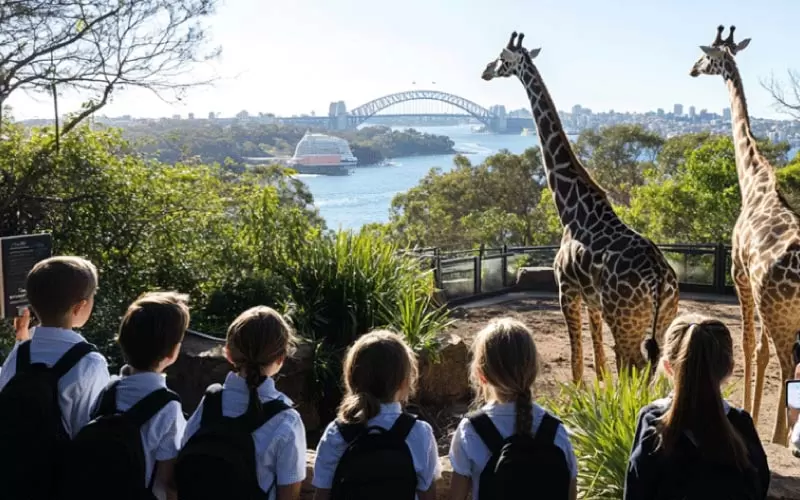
622 277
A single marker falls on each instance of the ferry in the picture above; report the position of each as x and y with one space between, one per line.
321 154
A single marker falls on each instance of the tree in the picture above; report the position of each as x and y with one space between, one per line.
786 95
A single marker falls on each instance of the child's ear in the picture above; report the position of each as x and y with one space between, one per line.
667 367
481 376
78 308
228 354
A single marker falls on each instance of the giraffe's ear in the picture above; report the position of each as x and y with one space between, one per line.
742 45
509 55
534 52
711 51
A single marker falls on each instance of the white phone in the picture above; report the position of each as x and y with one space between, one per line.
793 394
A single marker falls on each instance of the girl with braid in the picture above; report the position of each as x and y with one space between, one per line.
496 449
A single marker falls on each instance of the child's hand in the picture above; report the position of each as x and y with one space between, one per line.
22 326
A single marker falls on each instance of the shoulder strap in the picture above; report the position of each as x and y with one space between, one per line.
148 406
350 431
71 358
108 400
23 356
403 425
212 405
487 431
546 433
268 410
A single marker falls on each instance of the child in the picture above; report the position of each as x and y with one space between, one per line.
33 429
244 440
150 337
694 442
399 458
512 446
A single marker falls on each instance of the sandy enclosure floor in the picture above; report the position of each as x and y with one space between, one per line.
543 316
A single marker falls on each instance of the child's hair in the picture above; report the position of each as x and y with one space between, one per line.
257 338
504 356
376 368
700 353
151 328
57 284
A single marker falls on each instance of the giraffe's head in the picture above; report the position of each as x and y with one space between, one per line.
720 54
511 59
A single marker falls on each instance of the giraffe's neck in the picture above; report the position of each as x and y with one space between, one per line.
581 203
756 176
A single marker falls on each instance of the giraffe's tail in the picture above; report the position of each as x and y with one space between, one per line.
650 347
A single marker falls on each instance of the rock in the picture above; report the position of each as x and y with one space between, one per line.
445 380
538 279
202 362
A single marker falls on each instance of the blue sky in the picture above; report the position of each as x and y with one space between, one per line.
295 56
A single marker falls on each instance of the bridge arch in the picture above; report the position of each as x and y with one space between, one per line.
365 111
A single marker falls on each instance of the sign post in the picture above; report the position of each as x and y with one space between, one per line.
18 255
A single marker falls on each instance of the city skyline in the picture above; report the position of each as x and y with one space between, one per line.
298 57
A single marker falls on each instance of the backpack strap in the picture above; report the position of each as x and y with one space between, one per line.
403 425
350 431
23 356
108 400
71 358
148 406
487 431
268 410
212 405
546 433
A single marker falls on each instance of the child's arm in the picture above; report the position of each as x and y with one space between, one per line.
290 459
639 484
428 495
289 492
431 470
92 380
320 494
168 449
459 486
461 480
165 475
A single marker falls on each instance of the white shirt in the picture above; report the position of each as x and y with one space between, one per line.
420 441
79 388
469 455
280 443
796 435
162 434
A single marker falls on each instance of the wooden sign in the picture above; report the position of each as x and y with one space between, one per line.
18 255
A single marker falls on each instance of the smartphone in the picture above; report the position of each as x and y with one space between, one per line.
793 394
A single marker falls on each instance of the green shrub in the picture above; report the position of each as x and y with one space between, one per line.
601 419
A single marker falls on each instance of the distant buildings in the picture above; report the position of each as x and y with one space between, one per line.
677 110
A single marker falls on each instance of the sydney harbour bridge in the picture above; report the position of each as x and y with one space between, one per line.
339 118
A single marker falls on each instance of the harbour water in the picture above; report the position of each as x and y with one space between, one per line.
366 195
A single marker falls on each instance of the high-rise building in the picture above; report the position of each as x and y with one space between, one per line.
726 113
692 112
660 112
677 110
576 109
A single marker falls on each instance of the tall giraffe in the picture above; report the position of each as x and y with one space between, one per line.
766 241
620 275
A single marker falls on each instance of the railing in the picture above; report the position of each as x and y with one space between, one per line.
466 274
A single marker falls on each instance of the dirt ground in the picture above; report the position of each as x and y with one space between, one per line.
543 316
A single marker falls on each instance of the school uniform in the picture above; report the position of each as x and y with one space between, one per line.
280 443
420 441
469 455
162 435
650 472
79 388
795 438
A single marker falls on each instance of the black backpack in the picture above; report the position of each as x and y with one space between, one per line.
107 459
377 463
32 433
219 460
522 466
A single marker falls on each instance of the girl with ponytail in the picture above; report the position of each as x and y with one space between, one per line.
380 374
693 442
503 372
258 343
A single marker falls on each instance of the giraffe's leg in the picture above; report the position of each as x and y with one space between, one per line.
747 306
571 308
762 360
780 433
596 328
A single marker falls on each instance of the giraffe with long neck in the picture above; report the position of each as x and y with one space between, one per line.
766 241
622 277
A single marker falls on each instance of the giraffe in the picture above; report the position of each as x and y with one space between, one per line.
766 241
622 277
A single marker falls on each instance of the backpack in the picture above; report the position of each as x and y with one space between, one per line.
32 432
698 479
219 460
107 458
522 466
377 462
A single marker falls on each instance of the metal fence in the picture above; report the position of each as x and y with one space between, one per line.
466 274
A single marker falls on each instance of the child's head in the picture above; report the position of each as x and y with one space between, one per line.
698 355
378 368
259 341
504 367
152 330
61 291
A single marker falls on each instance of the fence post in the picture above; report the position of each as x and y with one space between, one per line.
476 284
504 265
720 271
